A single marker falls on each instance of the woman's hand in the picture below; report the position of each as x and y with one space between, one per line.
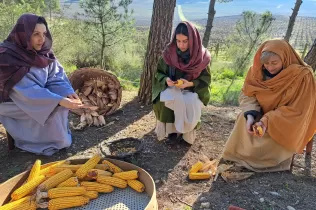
258 131
71 103
73 96
185 84
170 83
249 123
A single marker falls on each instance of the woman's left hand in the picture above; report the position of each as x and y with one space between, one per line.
73 96
185 84
256 131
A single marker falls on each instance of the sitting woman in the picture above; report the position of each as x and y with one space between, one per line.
181 85
35 93
278 98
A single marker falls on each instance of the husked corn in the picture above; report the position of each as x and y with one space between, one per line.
113 168
27 188
35 171
94 173
196 167
113 181
16 204
127 175
201 175
67 202
94 186
136 185
71 182
56 180
90 164
92 194
66 192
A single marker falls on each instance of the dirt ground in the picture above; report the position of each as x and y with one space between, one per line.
168 165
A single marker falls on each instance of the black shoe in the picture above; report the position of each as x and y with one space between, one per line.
172 139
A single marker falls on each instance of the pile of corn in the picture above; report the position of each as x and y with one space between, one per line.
62 185
208 169
100 97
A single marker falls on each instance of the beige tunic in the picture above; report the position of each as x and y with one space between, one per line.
255 153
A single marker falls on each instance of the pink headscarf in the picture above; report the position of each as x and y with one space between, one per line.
199 55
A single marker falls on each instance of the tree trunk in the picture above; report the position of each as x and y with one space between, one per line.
209 25
159 36
292 20
310 58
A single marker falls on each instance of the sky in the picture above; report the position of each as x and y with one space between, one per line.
197 9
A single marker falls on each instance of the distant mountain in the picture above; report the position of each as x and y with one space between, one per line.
304 29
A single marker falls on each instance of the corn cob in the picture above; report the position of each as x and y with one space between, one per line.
27 188
74 168
136 185
66 192
113 181
95 173
71 182
196 167
103 167
127 175
113 168
35 171
197 176
29 205
15 204
55 180
90 164
94 186
91 194
67 202
49 168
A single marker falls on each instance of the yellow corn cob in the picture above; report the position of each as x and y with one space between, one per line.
113 168
136 185
27 188
127 175
30 205
103 167
54 171
35 171
67 202
71 182
66 192
94 186
94 173
196 167
74 168
48 169
92 194
197 176
90 164
15 204
113 181
56 180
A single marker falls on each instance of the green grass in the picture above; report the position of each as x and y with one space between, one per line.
221 78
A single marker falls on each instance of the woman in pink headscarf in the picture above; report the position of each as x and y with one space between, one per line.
181 85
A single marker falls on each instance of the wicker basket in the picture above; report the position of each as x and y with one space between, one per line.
78 77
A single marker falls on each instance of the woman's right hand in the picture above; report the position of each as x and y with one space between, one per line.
249 123
71 103
169 82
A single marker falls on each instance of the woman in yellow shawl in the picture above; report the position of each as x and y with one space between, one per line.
278 95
